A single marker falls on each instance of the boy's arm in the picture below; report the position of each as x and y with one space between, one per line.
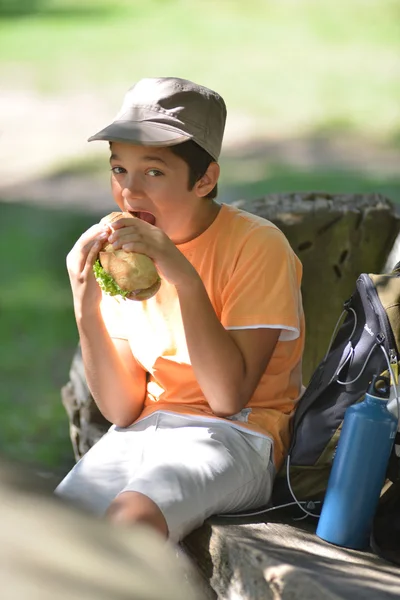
115 379
228 364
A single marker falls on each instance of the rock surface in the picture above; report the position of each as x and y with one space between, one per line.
282 559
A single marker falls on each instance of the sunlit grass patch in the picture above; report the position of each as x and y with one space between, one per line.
296 65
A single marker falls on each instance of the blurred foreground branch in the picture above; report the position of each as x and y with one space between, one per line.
52 551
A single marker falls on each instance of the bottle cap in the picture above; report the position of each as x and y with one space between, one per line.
379 387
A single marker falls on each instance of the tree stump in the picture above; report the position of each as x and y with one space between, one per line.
336 238
86 423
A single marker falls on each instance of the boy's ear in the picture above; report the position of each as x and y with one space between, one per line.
209 180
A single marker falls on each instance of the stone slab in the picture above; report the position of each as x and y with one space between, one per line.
282 559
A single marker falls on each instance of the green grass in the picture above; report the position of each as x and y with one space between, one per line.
298 65
37 331
240 181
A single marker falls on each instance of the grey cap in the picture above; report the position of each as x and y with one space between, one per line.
166 111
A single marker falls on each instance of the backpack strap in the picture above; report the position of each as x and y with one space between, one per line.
378 342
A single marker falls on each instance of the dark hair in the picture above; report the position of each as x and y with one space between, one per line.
197 160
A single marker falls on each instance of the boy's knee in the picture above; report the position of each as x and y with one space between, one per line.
134 507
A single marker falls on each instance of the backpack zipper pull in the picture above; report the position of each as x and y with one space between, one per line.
394 364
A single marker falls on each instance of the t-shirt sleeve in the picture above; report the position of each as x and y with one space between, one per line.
264 287
111 311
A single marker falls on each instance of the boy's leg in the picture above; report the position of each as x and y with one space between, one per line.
106 468
195 469
134 507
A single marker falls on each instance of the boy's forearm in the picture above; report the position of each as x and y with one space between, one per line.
217 361
118 395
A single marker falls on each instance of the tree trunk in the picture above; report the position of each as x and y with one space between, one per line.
336 239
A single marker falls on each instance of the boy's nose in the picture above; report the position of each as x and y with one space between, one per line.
132 188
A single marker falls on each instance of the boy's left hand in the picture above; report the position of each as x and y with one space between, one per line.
135 235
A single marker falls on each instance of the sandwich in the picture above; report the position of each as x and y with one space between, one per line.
127 274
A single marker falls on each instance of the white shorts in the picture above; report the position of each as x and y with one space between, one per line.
191 468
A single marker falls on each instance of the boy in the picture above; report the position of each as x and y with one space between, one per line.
201 380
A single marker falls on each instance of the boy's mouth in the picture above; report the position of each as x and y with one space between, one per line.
144 216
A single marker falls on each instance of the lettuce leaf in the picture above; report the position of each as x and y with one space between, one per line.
106 282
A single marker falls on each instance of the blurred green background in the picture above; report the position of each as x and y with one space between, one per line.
313 96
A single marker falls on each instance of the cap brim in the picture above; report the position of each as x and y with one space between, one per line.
141 133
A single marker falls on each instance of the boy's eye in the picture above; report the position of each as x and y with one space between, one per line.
154 172
117 170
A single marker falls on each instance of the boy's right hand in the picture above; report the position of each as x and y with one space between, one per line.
80 260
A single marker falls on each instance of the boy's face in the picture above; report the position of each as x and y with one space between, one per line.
153 182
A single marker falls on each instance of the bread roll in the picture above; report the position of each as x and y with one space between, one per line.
134 274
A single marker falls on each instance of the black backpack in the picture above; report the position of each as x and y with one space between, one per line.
366 343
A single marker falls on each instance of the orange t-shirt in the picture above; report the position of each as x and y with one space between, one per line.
253 278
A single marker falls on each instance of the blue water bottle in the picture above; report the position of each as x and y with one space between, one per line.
359 469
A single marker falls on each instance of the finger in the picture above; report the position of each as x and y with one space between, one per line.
137 224
123 237
132 227
94 231
121 223
91 258
139 247
79 254
87 238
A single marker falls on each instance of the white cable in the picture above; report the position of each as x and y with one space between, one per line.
299 504
292 492
265 510
307 503
345 311
393 382
362 368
